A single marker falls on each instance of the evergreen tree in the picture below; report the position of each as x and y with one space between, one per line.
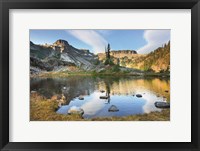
108 51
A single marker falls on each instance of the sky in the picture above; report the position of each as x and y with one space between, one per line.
143 41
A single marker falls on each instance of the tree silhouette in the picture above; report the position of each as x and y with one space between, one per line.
108 51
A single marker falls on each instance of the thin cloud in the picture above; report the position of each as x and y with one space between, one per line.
154 39
104 32
90 37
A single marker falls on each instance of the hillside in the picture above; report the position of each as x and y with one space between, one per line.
157 61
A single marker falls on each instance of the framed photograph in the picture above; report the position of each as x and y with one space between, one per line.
99 75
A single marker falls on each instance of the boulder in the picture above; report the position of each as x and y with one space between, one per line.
81 97
103 97
113 108
139 95
162 104
75 110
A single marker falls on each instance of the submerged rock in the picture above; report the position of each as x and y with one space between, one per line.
65 89
33 91
75 110
162 104
166 91
139 95
81 97
103 97
113 108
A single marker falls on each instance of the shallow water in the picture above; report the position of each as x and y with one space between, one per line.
121 92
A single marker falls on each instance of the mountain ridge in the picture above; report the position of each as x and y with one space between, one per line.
60 56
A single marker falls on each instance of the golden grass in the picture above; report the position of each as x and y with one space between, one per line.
164 115
42 109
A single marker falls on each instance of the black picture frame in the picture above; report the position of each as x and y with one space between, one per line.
5 5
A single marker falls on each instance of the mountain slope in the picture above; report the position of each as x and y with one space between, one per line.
157 61
58 55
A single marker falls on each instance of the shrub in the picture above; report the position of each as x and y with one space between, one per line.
116 68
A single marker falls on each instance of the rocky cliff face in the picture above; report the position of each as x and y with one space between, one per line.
60 54
119 54
123 52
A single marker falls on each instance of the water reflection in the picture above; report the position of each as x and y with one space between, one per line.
87 92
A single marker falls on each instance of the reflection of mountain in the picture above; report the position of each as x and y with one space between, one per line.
76 86
129 86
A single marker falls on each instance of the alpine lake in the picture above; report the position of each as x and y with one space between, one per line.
105 96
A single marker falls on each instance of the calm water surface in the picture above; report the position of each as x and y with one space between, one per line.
121 92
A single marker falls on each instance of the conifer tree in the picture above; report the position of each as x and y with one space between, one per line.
108 51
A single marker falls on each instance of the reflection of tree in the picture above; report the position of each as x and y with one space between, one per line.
107 90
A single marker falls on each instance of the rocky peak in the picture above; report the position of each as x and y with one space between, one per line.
31 43
61 43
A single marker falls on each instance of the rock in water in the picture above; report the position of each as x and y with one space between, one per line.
139 95
103 97
81 97
33 91
113 108
75 110
102 91
162 104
